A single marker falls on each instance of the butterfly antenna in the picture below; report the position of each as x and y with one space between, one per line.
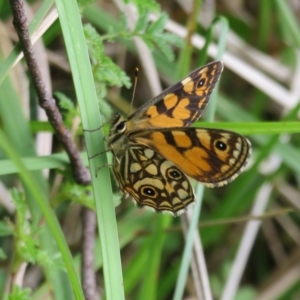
136 72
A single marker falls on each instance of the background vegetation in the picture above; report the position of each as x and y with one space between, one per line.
258 96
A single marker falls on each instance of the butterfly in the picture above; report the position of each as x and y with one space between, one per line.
155 150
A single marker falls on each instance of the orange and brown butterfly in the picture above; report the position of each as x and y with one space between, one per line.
155 150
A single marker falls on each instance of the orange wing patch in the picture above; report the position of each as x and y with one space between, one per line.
192 162
214 156
171 113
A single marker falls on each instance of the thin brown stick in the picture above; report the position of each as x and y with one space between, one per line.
88 243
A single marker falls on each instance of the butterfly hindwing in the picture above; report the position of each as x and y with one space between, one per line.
153 181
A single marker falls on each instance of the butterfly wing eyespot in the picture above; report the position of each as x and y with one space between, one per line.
149 191
153 181
173 173
220 145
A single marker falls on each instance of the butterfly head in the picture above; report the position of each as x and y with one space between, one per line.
117 128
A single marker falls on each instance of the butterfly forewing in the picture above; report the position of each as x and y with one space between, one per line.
182 103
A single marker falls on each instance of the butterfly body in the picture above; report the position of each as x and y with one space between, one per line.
155 150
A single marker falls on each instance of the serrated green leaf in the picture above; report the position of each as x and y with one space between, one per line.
109 73
27 246
5 230
69 110
75 193
94 42
52 262
64 101
21 210
2 254
164 47
148 42
105 71
141 23
105 108
157 26
101 90
122 25
173 39
145 5
19 294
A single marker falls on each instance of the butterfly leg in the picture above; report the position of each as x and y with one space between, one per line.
114 154
102 152
93 130
104 166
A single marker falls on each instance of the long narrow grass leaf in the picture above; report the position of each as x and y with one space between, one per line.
87 99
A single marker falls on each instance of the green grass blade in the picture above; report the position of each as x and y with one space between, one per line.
53 161
289 20
265 21
253 128
87 99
